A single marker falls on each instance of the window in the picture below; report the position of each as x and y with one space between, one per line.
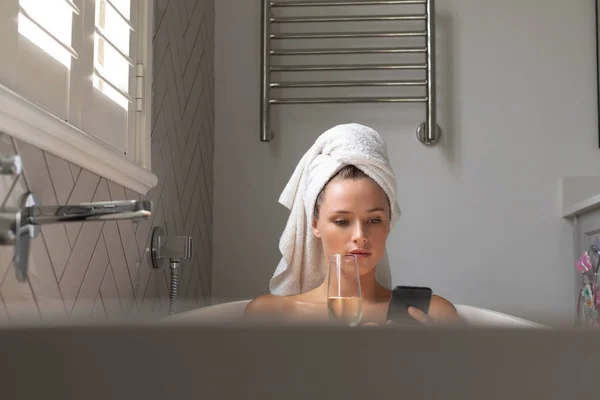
48 24
111 50
87 64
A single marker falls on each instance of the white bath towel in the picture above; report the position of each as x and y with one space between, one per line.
303 265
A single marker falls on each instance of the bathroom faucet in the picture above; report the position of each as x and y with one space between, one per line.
19 226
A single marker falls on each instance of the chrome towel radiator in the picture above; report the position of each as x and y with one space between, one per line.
427 132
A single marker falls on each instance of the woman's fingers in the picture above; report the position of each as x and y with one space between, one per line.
420 316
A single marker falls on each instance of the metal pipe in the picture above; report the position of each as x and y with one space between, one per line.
346 35
345 100
356 50
345 67
431 99
342 3
265 130
350 18
309 84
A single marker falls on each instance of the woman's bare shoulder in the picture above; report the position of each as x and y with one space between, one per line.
442 310
268 305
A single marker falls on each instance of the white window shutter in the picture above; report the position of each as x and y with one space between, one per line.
105 92
45 53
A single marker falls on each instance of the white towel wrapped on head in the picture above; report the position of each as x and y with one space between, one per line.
303 265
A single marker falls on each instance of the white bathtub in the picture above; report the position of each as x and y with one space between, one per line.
473 316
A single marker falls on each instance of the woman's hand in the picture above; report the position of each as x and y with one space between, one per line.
420 316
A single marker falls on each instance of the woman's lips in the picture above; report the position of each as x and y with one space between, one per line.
360 253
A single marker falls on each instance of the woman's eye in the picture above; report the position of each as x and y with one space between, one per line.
375 220
340 222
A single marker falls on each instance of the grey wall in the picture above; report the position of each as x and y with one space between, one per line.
101 269
481 219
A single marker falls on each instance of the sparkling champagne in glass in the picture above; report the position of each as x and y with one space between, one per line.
344 299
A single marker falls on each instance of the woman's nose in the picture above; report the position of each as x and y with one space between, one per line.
359 236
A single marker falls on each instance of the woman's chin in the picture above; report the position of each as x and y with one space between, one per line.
365 267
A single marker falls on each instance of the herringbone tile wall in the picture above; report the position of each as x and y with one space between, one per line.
101 269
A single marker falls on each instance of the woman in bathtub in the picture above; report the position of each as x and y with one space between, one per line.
342 198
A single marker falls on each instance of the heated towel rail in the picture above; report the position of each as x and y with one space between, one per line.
428 132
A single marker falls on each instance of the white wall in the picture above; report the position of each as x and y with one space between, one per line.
481 212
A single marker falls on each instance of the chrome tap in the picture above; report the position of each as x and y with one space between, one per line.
19 226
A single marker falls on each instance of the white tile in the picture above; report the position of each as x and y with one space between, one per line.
44 282
3 312
193 211
7 147
110 295
171 94
58 246
130 194
176 161
90 287
192 103
12 190
149 295
160 60
191 289
167 212
36 173
163 290
18 299
158 136
175 33
6 258
177 216
191 183
61 176
75 171
123 275
191 143
98 311
186 275
201 259
183 16
193 28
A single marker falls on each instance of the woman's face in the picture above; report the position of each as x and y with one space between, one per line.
354 217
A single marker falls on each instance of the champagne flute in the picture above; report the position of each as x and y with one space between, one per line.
344 299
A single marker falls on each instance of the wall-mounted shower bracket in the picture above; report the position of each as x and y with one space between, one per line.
175 248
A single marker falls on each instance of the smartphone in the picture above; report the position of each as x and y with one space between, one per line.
408 296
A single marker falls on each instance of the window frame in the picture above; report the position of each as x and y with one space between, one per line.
26 121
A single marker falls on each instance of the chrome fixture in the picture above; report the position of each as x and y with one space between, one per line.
19 226
175 248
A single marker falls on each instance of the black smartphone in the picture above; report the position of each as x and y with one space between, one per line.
408 296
